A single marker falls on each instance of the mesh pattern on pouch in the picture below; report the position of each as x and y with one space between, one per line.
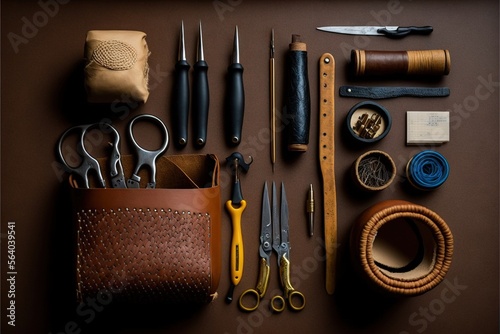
144 255
115 55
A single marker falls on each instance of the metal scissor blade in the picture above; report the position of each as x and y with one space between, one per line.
265 226
276 222
285 241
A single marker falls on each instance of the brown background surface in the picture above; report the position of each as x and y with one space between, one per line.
41 97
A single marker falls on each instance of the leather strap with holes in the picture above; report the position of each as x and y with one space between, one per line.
326 158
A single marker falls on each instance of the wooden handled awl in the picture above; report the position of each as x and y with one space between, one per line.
327 159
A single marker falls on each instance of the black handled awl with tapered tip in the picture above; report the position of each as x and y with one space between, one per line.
235 96
180 97
201 96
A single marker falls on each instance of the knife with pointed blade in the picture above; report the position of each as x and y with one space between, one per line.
388 31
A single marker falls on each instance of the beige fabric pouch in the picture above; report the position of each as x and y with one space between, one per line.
116 68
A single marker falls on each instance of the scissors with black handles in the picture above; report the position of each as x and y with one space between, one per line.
89 163
274 234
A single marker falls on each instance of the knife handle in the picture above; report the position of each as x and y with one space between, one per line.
405 31
201 101
180 100
235 103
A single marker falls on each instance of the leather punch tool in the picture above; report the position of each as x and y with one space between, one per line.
146 157
89 163
274 235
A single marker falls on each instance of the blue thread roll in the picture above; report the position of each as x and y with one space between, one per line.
427 170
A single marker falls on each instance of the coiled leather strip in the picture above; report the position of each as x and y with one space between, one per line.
298 97
375 259
427 170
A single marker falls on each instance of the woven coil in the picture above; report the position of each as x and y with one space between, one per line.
368 226
144 255
115 55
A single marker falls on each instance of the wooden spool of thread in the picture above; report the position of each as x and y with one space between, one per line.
400 63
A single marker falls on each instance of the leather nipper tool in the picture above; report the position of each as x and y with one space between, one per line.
201 96
235 95
89 163
144 157
180 97
274 234
235 206
387 31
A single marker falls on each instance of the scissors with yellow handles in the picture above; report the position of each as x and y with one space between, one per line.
274 234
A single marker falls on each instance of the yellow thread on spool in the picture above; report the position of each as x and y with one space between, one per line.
392 63
431 62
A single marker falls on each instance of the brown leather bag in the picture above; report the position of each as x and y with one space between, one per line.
152 245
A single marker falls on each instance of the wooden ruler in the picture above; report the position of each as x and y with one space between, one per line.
327 159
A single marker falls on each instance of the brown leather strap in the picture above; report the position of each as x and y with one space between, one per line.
327 158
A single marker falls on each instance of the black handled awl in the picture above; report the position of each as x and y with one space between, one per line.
201 96
180 97
235 96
